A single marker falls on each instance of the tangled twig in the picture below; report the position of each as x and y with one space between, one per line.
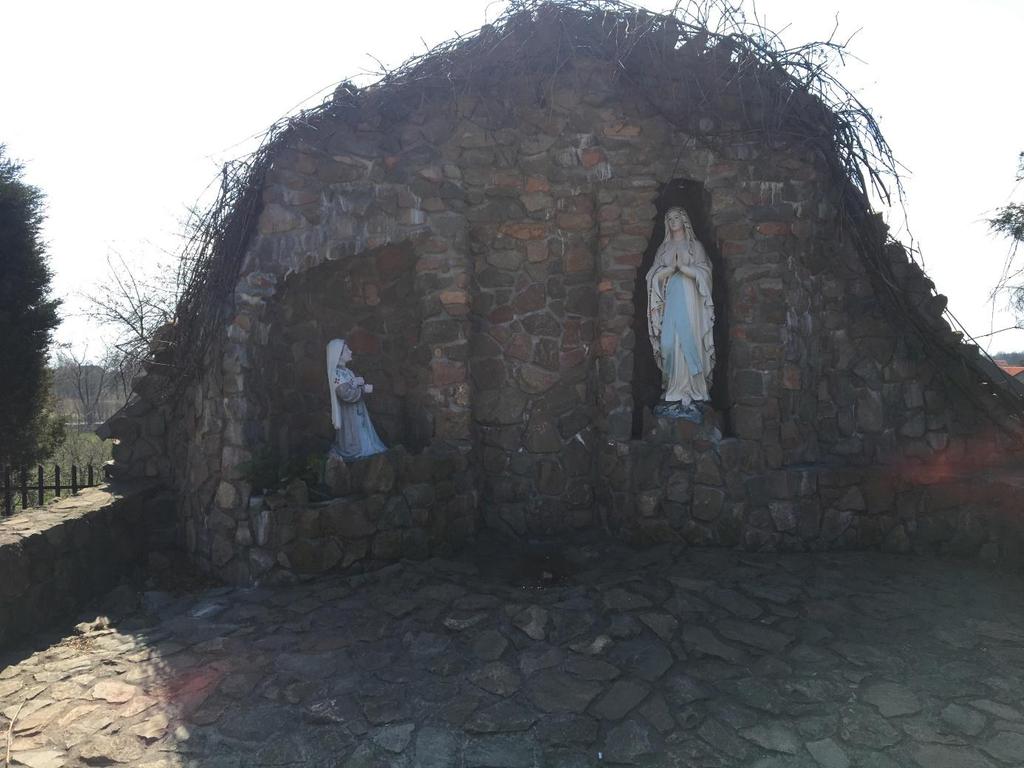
685 64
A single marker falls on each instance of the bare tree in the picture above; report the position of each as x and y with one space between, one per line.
134 302
91 386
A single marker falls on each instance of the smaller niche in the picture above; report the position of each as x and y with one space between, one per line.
693 198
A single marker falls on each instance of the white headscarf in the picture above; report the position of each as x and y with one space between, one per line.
334 349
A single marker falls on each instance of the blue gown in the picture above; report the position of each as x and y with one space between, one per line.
678 337
355 437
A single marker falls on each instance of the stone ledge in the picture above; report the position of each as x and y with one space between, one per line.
389 507
55 560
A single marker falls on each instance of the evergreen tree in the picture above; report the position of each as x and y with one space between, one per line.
29 430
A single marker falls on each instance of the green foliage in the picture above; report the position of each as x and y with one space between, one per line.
1009 221
80 448
267 471
29 430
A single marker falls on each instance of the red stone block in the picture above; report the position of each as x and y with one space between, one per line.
575 221
362 342
502 314
520 347
571 358
524 230
431 264
578 258
592 156
607 345
791 377
531 299
572 333
774 228
455 302
537 184
447 372
391 262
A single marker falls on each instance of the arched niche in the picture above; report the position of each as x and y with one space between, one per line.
692 196
370 301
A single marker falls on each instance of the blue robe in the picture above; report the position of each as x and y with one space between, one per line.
355 436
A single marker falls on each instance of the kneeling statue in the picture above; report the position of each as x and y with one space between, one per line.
355 437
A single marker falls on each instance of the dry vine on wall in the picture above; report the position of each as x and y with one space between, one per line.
684 62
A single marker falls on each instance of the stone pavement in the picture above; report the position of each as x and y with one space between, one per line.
686 658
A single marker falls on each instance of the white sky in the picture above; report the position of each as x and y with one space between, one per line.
123 111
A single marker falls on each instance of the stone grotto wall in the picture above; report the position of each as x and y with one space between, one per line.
483 255
390 506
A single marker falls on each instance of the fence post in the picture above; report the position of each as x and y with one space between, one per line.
56 480
91 483
24 487
39 483
7 490
74 479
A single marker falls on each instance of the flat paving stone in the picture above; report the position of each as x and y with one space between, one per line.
629 741
687 657
964 719
501 752
559 692
702 640
773 736
498 678
489 645
943 756
1007 746
891 699
503 717
997 709
619 700
828 754
753 634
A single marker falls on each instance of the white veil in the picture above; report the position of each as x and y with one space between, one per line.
334 350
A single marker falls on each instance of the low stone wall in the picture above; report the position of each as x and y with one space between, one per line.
388 507
684 482
54 560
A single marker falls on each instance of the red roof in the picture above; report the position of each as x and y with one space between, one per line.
1012 370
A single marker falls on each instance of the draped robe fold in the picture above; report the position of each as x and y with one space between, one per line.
681 318
355 436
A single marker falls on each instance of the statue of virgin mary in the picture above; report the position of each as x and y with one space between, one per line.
355 437
681 316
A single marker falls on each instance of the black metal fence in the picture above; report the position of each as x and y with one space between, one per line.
25 487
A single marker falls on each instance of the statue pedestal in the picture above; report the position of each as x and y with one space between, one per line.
669 424
692 412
